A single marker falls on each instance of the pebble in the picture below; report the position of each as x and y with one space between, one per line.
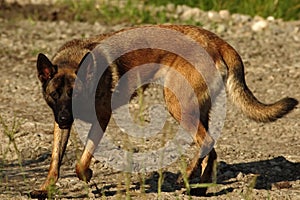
240 18
271 18
221 28
240 176
224 14
189 14
259 25
181 9
214 16
170 7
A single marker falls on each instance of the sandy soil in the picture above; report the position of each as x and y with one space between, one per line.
246 149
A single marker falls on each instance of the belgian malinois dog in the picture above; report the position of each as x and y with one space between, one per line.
58 82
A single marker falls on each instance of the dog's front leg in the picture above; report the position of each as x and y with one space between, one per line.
82 167
60 141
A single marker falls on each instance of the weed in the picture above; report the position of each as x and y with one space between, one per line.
10 133
142 177
183 168
127 185
52 191
249 190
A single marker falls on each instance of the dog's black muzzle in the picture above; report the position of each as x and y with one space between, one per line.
64 119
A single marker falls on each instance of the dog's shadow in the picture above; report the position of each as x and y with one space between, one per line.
268 172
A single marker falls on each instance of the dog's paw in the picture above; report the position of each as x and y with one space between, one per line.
38 194
84 175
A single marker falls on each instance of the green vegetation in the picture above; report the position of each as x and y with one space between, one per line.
52 191
113 12
10 133
249 191
152 12
9 129
287 10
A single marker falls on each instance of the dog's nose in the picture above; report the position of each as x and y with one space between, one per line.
64 117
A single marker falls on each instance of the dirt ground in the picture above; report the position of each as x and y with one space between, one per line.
255 160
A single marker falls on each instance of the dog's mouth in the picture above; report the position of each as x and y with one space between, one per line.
64 121
64 126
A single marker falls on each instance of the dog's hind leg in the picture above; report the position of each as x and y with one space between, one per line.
201 168
186 112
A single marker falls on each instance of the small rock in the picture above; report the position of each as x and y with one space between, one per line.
238 18
224 14
258 18
270 18
221 28
259 25
170 7
181 9
190 14
240 176
214 16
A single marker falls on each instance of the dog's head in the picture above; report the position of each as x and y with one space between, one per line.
58 85
60 90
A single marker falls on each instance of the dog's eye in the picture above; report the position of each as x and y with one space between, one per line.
54 95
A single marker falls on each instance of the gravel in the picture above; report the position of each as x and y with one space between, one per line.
255 160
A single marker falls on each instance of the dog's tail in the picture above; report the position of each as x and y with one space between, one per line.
243 97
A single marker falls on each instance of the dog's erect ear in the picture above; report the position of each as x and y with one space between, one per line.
46 70
86 72
86 68
91 68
